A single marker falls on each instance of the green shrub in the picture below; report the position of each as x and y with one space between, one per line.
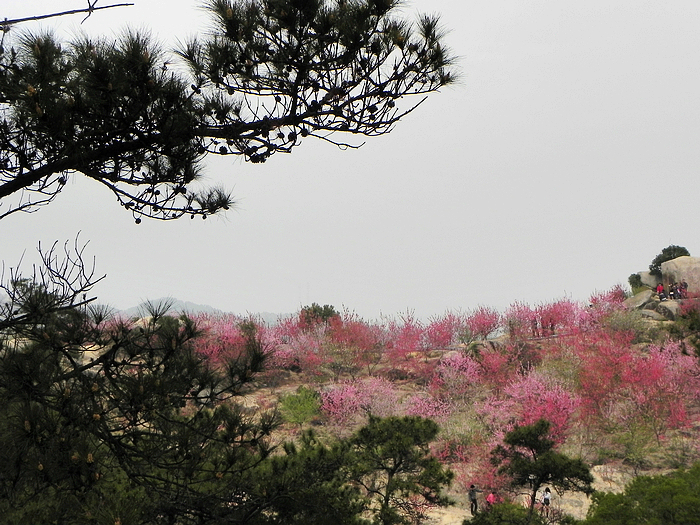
686 327
670 499
505 514
635 282
301 407
630 321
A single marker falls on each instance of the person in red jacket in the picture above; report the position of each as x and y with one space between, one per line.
491 499
660 290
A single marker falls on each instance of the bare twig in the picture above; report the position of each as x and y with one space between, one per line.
5 24
63 280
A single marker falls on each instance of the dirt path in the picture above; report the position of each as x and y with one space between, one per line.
448 516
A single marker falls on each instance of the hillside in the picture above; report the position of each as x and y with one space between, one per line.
621 390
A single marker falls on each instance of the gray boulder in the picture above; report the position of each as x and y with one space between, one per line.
669 309
639 300
682 269
654 316
653 303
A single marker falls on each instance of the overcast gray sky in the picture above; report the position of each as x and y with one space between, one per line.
565 160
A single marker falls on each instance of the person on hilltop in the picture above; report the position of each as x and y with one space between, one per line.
660 290
684 289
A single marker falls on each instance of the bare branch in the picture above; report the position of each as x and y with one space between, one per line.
5 24
61 282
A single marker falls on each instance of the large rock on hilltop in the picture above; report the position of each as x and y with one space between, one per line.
682 269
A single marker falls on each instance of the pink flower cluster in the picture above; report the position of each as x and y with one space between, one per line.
344 401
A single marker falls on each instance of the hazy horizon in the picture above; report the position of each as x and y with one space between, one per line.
564 160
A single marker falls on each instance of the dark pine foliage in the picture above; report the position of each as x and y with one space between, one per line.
270 73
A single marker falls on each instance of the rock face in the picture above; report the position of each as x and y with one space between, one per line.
682 268
639 300
653 315
649 280
669 309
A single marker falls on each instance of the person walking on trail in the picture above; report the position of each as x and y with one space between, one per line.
473 503
546 500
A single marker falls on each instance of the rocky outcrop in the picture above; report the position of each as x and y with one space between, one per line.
651 307
676 270
682 269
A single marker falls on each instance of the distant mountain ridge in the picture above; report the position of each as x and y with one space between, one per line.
189 307
178 306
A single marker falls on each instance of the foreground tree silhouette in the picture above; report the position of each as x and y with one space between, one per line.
271 73
89 405
528 456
